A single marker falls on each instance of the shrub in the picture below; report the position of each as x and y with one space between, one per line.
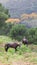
18 31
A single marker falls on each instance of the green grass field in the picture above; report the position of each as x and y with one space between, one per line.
24 55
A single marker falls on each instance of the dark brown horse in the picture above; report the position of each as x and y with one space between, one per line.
14 45
25 41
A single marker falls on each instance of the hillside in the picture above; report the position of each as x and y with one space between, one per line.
30 20
25 10
18 7
24 55
29 16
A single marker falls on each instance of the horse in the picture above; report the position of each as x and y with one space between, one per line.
11 45
25 41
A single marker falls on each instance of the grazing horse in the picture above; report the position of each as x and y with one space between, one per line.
25 41
14 45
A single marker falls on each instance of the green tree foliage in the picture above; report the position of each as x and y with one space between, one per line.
18 31
32 35
7 28
3 15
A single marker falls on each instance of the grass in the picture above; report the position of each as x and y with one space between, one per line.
9 57
24 54
5 39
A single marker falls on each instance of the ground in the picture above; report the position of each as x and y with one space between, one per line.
24 55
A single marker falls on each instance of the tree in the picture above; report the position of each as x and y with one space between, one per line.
3 15
32 35
18 31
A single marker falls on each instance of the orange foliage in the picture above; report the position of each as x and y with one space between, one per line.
27 16
13 20
23 17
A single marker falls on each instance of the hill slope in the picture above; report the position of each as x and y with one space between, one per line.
18 7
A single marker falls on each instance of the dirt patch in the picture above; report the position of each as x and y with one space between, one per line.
19 63
22 63
2 63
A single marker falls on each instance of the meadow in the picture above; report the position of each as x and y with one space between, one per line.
24 55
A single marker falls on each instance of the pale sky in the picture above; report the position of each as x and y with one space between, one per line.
3 1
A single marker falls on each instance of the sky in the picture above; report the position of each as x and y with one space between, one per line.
3 1
6 0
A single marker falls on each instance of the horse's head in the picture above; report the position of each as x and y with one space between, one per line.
24 41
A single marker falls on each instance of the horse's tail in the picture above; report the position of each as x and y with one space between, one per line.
6 47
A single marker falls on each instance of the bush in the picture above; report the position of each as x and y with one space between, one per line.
18 31
32 35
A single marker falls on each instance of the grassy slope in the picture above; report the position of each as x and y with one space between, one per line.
24 54
5 39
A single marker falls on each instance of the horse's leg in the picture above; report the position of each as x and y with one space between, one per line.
15 49
27 44
6 49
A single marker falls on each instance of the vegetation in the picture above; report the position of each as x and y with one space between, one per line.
15 32
18 31
32 35
3 16
25 54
